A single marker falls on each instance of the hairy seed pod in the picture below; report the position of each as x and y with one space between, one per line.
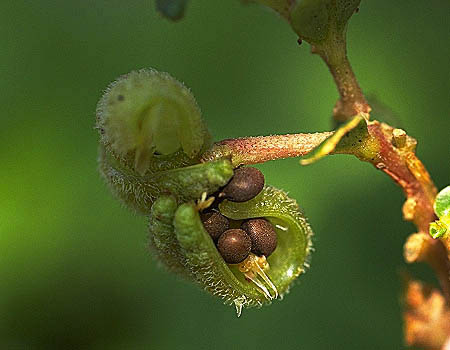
245 184
215 224
234 245
263 236
151 142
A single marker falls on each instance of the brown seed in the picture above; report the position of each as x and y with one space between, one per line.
245 184
215 224
234 245
262 234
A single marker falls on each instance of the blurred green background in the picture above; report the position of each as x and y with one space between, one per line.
74 269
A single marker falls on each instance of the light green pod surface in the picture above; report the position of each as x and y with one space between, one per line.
206 265
226 281
163 241
147 111
185 183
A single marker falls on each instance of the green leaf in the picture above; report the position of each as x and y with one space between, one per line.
172 9
318 20
442 202
346 139
438 229
441 227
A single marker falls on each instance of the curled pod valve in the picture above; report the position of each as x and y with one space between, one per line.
257 280
151 139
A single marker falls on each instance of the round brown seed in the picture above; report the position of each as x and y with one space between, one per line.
215 224
245 184
234 245
262 234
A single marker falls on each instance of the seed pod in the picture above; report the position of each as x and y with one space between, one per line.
161 173
215 224
245 184
151 139
263 236
234 245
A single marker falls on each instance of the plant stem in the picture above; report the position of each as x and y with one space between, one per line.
260 149
352 101
402 165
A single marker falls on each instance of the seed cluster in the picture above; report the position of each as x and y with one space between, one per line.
254 235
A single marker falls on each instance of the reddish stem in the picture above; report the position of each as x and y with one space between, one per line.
260 149
402 165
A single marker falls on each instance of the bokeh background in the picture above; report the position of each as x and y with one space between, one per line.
74 269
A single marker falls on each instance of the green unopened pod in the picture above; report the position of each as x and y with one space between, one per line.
150 127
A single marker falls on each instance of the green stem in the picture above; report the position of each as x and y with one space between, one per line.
352 101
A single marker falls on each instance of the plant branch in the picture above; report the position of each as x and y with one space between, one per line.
352 101
397 159
389 150
260 149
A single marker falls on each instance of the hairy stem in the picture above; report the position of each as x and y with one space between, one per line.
260 149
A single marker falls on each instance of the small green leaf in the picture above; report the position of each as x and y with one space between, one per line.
437 229
441 227
354 131
442 203
318 20
172 9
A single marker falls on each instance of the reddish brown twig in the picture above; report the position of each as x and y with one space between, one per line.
397 159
